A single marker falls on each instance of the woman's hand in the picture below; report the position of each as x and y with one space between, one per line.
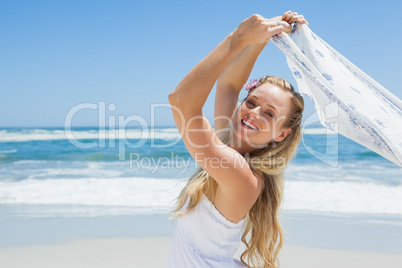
287 19
287 28
290 17
256 29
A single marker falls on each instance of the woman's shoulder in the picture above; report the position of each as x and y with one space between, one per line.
234 206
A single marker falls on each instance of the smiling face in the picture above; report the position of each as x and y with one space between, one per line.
261 118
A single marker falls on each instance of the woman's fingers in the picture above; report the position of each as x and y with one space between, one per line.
274 26
285 14
300 19
269 23
275 30
257 29
288 15
287 28
291 17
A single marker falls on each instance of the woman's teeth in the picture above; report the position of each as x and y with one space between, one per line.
249 125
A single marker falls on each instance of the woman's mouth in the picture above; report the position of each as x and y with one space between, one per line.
249 125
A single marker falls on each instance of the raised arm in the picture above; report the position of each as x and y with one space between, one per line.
237 72
230 170
198 83
231 81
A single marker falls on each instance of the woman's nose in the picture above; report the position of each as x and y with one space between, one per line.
255 112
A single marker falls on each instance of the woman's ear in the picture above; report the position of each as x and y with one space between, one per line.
283 135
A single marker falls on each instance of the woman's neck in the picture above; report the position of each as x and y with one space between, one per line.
240 145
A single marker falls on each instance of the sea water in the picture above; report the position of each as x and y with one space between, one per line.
59 184
90 172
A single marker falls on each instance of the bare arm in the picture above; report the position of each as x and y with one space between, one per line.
198 83
224 164
231 81
237 72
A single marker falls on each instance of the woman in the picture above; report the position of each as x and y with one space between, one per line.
239 185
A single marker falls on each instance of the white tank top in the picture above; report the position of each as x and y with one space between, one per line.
205 238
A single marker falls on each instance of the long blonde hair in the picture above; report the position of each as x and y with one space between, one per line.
266 240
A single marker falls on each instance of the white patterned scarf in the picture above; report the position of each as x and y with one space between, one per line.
346 99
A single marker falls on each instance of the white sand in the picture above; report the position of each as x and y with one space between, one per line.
305 257
153 252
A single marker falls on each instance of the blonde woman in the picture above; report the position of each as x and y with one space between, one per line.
239 187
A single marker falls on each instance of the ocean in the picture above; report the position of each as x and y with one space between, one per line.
92 172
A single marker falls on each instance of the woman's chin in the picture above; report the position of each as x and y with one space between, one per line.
245 140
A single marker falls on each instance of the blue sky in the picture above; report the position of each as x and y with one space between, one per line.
55 55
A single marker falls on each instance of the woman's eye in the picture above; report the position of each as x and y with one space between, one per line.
251 102
269 114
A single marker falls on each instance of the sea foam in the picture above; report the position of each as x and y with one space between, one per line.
156 195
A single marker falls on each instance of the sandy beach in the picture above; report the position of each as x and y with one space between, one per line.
153 252
143 241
